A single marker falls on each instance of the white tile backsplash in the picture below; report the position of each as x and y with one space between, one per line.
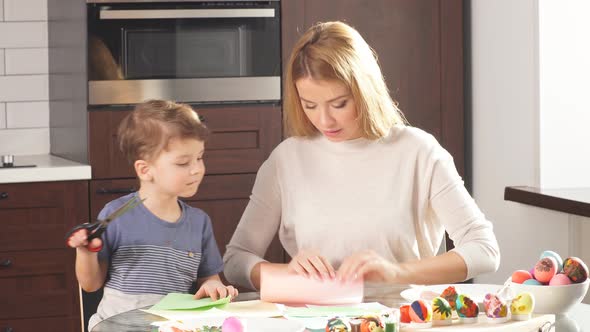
26 61
25 10
24 82
2 115
24 141
24 88
23 34
27 115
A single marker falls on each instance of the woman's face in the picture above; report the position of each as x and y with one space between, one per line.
330 108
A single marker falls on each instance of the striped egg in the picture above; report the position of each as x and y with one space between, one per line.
420 311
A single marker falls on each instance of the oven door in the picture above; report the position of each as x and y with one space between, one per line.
205 52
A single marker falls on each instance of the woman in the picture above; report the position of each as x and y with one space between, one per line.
354 192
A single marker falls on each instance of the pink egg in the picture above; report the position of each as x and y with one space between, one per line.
232 324
519 276
532 271
560 279
545 269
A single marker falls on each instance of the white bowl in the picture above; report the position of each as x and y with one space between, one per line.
553 299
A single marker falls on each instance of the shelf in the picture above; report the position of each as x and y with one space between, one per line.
569 200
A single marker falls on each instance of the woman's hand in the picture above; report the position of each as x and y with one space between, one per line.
79 240
368 265
215 289
311 264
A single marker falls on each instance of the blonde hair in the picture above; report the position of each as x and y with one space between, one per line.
146 132
336 51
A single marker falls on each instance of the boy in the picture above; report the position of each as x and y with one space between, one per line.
162 245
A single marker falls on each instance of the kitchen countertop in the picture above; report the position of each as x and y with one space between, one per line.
48 168
569 200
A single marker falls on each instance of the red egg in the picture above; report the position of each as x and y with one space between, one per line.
404 314
575 269
559 280
545 269
519 276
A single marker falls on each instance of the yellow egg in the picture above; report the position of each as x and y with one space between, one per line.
523 304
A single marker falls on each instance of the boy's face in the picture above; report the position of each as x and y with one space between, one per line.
179 169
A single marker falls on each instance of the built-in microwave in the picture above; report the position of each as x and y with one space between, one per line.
189 51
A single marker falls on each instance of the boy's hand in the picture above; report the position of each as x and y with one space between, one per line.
79 240
215 289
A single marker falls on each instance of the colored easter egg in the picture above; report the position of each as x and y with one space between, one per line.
558 259
336 324
420 311
233 324
519 276
532 271
522 306
534 282
575 269
442 311
450 294
371 323
466 308
545 269
404 313
560 279
495 307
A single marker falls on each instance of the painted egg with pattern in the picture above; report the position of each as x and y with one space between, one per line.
522 304
466 307
450 294
371 323
575 269
420 311
545 269
337 324
495 307
441 309
558 259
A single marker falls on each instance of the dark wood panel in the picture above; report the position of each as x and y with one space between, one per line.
242 138
569 200
48 324
27 263
31 229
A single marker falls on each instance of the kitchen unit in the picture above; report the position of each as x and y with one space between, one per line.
37 278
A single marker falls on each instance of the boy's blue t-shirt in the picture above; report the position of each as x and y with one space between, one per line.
148 255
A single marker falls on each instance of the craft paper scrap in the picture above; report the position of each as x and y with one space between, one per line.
178 301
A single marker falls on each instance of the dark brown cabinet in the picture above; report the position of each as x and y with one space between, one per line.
37 276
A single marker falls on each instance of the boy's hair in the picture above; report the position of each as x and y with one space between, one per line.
336 51
146 132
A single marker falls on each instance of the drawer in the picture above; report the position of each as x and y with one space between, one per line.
47 324
27 195
241 139
38 284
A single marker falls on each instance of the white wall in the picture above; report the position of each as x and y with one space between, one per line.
524 134
24 87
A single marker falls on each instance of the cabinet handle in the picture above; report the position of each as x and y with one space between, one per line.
106 191
3 195
5 263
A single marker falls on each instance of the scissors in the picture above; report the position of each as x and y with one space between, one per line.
95 229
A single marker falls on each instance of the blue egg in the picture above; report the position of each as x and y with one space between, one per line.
549 253
531 282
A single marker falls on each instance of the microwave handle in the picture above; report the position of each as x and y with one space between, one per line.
143 14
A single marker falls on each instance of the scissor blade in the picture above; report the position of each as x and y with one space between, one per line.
122 209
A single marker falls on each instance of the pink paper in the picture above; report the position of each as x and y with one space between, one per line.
280 286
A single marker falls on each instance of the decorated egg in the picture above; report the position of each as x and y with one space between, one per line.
371 323
450 294
532 271
533 282
442 312
233 324
420 311
558 259
545 269
522 306
496 308
560 279
519 276
575 269
404 314
336 324
467 309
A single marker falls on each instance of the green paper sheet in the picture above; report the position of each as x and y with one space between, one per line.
178 301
